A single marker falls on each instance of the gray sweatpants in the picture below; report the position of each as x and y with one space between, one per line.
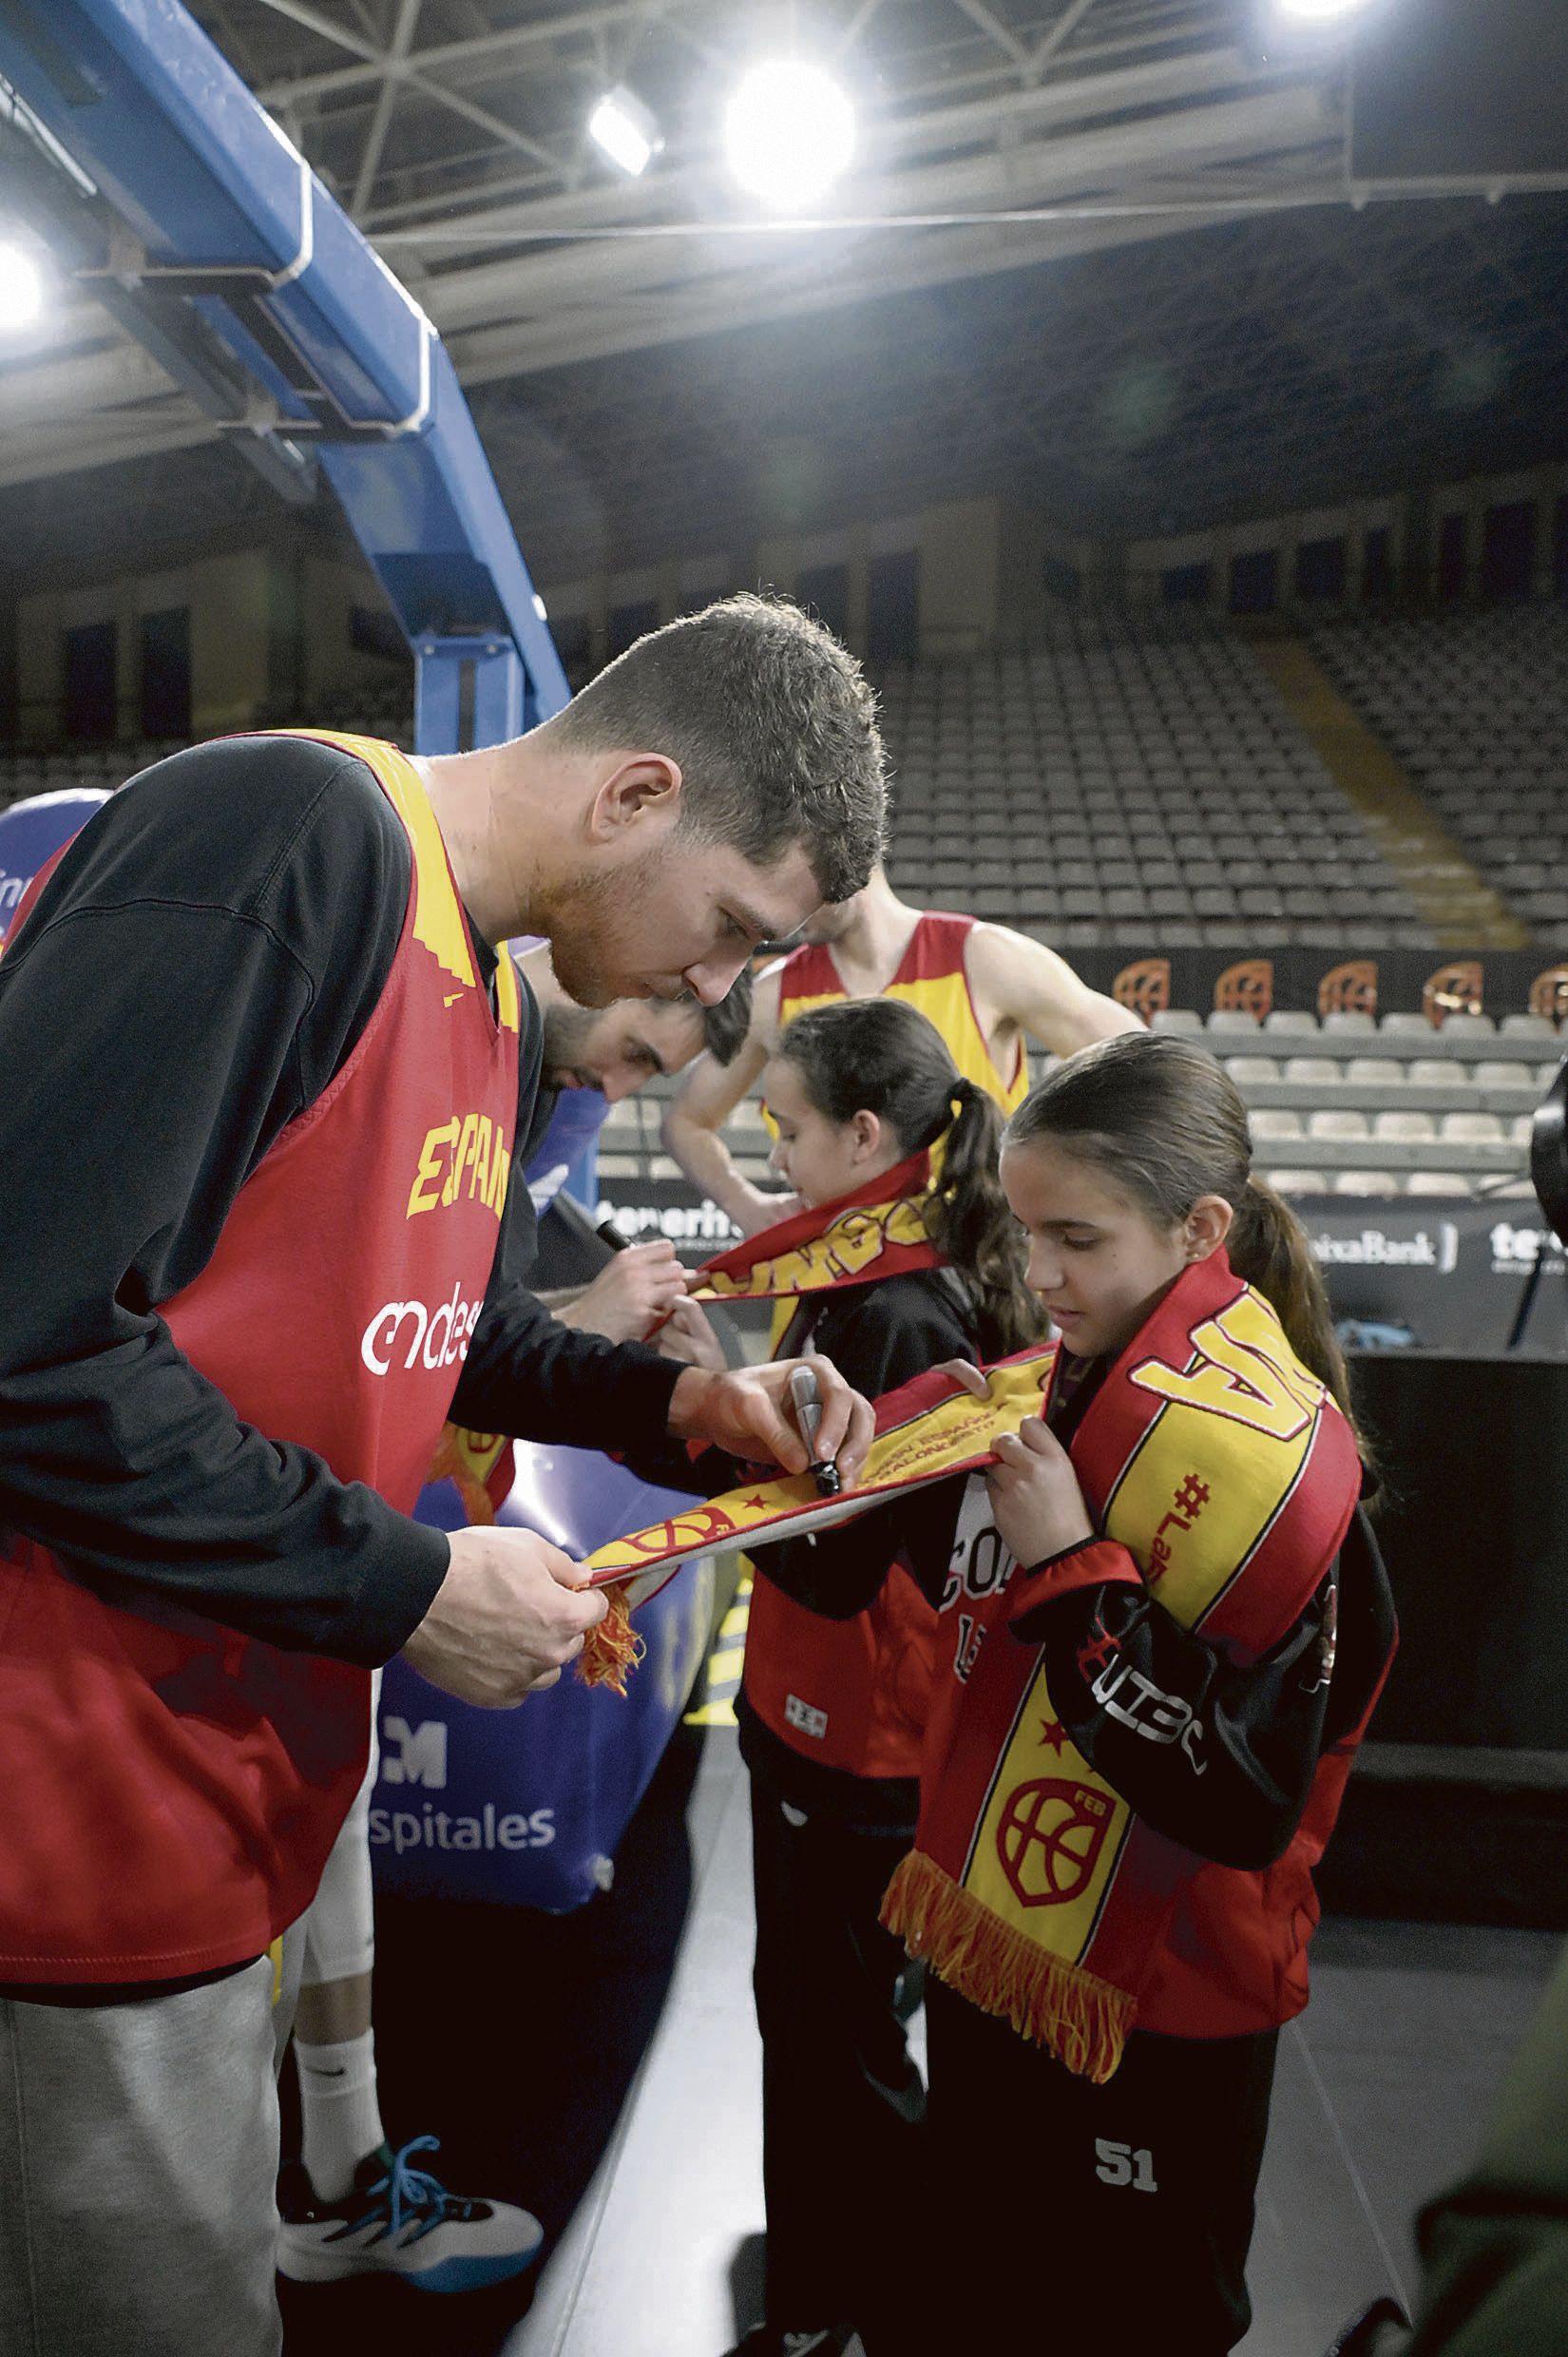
138 2167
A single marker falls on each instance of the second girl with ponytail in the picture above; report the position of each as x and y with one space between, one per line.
856 1088
838 1667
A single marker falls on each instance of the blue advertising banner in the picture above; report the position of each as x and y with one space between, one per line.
525 1808
34 831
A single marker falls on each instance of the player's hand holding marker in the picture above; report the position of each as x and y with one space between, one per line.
641 1286
749 1411
1034 1493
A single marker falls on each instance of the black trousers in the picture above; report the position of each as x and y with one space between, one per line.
1065 2216
843 2104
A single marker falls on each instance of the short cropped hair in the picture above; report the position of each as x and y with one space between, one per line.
725 1026
774 727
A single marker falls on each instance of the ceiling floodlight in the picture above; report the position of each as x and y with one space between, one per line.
1318 11
627 130
788 132
21 289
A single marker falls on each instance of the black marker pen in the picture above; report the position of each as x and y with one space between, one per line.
808 1408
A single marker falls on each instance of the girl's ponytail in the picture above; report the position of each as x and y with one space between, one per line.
1269 1247
974 1228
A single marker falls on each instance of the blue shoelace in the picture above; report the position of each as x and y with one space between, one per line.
413 2193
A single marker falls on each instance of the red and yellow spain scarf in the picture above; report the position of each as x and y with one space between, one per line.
925 1431
879 1231
1227 1473
859 1238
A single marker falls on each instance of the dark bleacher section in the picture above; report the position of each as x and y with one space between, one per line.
1129 782
1145 784
1475 706
58 768
46 769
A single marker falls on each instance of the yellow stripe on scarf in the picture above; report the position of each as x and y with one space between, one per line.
958 1431
1188 1511
847 1248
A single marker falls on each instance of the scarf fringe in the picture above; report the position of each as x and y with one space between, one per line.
613 1648
449 1464
1072 2013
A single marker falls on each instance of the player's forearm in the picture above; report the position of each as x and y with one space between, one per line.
563 1298
707 1163
1101 1018
1079 1022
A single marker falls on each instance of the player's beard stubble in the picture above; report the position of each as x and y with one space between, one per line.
599 937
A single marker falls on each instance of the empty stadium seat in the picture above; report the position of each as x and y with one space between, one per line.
1404 1128
1337 1125
1478 1129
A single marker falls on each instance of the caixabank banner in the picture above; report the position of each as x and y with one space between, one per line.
1452 1276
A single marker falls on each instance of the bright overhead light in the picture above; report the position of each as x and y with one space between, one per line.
627 130
1318 11
788 132
21 289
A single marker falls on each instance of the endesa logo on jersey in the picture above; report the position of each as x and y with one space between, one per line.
408 1335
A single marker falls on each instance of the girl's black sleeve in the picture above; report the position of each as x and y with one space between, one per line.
1217 1755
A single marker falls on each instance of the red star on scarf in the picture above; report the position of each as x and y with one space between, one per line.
758 1501
1054 1732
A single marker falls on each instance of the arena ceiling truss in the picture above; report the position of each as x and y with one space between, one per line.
1099 245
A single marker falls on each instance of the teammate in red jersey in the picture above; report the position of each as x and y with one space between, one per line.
987 988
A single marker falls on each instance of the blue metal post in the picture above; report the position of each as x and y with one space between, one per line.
229 215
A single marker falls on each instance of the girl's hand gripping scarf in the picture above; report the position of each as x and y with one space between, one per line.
1222 1476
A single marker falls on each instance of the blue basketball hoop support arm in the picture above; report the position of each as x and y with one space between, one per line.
211 205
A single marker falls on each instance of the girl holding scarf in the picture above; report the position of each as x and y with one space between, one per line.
1163 1627
838 1659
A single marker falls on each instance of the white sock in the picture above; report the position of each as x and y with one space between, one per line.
339 2109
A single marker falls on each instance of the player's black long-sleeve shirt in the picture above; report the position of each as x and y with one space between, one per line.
198 967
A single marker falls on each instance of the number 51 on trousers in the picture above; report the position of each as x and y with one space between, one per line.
1121 2165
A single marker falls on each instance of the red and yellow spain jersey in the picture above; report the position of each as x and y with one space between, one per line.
188 1781
931 976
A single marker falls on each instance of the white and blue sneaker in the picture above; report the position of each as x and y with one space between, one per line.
399 2220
